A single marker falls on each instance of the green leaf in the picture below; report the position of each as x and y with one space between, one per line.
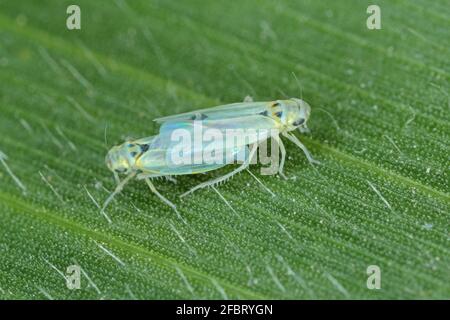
379 126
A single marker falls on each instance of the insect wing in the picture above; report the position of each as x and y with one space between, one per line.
238 155
160 160
229 133
226 111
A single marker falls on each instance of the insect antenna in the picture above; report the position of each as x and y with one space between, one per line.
331 117
118 189
105 134
298 84
283 93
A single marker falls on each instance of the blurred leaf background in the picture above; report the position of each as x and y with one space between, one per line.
379 126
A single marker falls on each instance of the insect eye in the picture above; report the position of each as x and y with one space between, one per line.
144 147
299 122
279 114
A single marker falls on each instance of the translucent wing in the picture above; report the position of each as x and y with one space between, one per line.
226 111
159 160
232 133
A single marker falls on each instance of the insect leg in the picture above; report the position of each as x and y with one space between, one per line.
118 189
283 155
301 146
116 177
163 199
171 179
243 166
248 99
304 129
142 176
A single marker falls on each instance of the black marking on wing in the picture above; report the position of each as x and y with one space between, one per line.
264 113
199 116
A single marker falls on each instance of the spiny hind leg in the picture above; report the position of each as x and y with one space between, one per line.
301 146
171 179
217 180
152 175
243 166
